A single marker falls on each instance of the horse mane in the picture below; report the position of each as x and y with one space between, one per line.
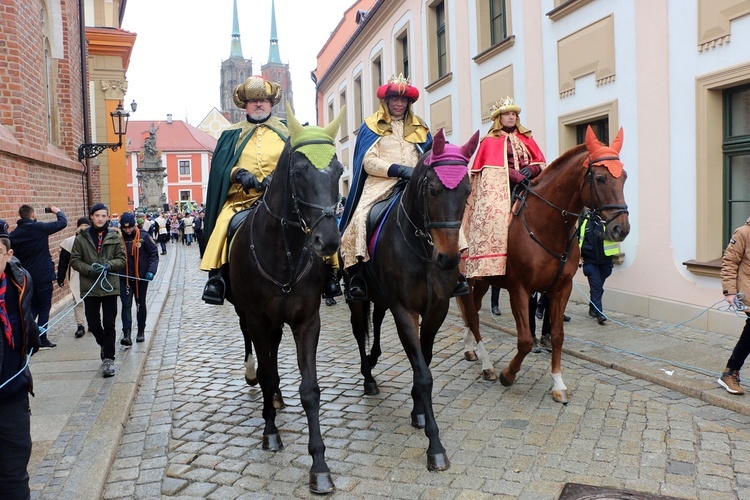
563 160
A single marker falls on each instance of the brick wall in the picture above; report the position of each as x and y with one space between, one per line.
39 167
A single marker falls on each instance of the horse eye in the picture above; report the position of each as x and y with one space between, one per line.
601 179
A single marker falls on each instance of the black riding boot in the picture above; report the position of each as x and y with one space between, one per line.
126 340
462 286
331 286
213 293
357 284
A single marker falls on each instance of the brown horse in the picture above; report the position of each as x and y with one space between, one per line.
543 251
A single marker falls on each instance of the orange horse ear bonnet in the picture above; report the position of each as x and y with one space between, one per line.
605 156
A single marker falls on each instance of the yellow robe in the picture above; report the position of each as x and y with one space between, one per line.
259 157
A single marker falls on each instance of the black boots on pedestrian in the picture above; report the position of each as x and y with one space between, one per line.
80 332
140 337
331 285
215 288
126 340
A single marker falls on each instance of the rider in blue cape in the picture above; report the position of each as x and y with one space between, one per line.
389 145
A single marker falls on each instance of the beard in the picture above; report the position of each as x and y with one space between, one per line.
259 115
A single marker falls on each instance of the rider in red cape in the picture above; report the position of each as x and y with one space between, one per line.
507 156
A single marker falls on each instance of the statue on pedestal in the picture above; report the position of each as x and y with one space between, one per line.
151 174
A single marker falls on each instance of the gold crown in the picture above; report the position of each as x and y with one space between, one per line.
399 80
504 105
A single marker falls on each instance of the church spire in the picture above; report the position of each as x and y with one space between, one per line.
236 50
273 51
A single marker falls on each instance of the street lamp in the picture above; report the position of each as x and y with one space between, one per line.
120 127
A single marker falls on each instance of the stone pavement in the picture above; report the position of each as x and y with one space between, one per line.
646 413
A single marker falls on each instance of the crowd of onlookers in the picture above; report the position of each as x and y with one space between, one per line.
176 226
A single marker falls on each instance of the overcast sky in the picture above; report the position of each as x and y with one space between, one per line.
175 66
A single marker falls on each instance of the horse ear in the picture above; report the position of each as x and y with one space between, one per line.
293 125
438 143
592 143
617 143
468 149
332 129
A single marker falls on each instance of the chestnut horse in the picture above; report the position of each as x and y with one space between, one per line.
543 251
413 272
277 276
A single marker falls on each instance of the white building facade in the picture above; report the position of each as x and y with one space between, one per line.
674 74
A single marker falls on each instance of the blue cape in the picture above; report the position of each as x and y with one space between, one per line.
366 139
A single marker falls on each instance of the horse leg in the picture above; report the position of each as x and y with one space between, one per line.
519 303
360 320
418 347
378 315
306 337
473 344
268 376
557 303
251 377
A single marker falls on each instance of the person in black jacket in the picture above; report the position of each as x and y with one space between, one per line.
141 263
597 262
19 337
31 243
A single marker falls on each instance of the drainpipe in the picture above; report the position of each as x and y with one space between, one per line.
86 177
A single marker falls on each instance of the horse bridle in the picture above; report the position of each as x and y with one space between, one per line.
596 210
423 234
303 266
591 213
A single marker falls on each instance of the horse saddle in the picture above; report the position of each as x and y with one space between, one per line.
234 224
378 213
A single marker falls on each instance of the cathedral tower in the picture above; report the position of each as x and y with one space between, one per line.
234 71
277 72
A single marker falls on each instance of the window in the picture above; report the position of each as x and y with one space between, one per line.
494 28
358 112
377 79
438 42
344 126
600 128
736 151
498 30
402 54
184 167
186 195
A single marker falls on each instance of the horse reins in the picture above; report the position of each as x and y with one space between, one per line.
423 234
571 235
304 264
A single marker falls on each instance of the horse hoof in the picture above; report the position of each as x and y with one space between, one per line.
321 483
371 389
470 355
505 380
489 375
561 396
278 401
251 381
418 421
438 462
272 442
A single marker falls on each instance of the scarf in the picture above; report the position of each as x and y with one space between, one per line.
4 319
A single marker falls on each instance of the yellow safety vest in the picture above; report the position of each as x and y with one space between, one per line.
610 247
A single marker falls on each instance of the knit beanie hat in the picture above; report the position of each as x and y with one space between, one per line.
127 220
83 220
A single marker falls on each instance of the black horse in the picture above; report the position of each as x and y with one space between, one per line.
414 271
277 275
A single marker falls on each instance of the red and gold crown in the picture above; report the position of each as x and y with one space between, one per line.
398 86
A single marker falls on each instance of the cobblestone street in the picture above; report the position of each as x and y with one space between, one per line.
195 427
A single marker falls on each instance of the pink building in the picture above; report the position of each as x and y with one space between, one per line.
185 153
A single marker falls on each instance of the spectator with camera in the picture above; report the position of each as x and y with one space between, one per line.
96 252
30 240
